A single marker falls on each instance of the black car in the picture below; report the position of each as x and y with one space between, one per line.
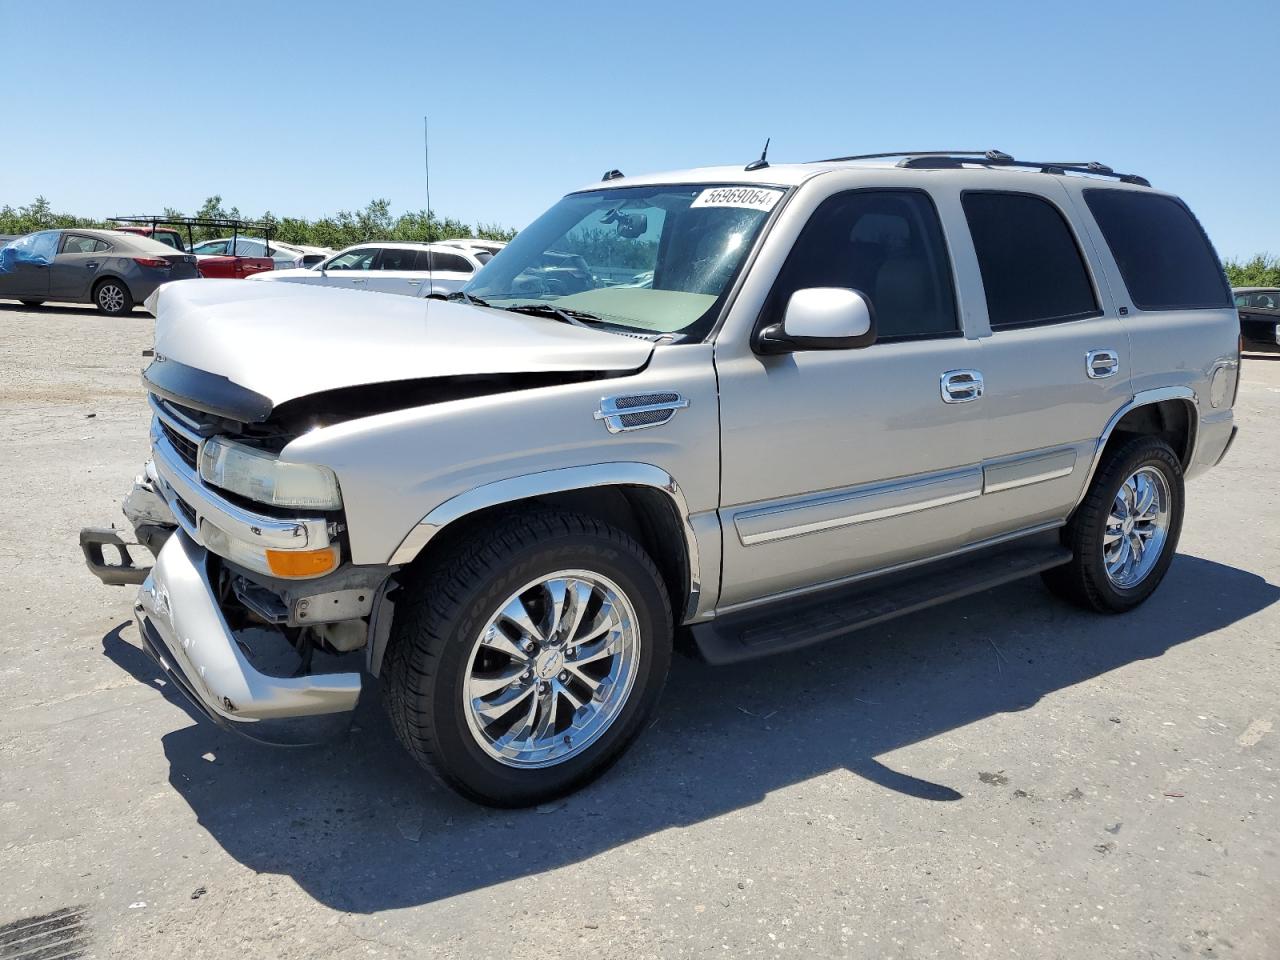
107 268
1259 316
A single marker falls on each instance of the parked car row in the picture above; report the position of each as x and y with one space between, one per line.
119 268
410 269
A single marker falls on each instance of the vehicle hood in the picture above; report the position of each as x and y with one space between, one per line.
288 340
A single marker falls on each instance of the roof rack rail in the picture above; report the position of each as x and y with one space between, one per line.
951 159
220 223
990 154
1089 167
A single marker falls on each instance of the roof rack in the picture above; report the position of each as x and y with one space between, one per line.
223 223
952 159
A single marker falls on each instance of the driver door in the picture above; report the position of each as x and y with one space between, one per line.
840 462
351 269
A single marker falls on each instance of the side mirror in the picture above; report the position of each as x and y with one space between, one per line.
821 318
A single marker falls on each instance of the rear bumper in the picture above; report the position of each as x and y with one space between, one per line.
184 630
1214 434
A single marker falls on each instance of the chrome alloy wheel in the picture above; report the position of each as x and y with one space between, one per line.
1137 527
111 298
552 669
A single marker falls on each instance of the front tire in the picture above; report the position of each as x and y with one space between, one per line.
527 659
112 297
1125 532
32 303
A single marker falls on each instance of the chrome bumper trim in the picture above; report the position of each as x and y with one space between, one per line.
179 618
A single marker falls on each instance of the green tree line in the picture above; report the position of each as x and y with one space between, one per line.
1261 270
374 222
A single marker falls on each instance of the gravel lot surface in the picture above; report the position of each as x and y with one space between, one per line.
1002 777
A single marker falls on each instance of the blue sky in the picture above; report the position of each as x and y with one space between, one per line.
308 108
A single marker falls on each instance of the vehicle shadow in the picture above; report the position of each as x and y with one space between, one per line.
361 829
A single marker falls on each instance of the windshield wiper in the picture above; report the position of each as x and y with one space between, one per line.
576 317
468 298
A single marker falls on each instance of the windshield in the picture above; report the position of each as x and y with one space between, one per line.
657 259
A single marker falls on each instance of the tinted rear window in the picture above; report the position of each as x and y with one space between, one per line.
1032 270
1163 254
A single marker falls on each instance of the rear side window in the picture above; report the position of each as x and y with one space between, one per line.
73 243
443 262
1031 266
1163 254
397 258
450 263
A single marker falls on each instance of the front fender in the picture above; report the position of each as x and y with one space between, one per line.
561 481
404 475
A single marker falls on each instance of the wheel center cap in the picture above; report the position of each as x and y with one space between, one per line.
549 664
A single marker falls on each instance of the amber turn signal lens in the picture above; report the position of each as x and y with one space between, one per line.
302 563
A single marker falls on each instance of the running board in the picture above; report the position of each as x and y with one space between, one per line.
791 624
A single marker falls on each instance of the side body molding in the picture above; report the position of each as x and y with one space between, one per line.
621 474
1142 399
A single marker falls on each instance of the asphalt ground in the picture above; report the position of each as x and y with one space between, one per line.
1002 777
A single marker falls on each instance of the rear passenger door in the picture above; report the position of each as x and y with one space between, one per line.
399 271
1056 360
449 271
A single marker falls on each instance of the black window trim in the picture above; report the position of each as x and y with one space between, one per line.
1213 253
1097 311
765 318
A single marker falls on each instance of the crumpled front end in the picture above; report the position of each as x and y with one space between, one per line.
260 654
183 628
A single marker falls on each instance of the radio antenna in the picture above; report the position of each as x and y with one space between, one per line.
763 161
426 172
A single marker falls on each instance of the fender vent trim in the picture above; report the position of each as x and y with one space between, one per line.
639 410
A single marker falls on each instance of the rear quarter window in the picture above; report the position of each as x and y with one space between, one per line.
1164 256
1032 268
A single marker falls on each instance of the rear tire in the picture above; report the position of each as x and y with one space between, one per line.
32 303
511 715
1115 531
112 297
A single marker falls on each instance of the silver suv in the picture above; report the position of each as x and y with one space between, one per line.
841 391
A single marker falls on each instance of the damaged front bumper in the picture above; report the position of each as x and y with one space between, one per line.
183 628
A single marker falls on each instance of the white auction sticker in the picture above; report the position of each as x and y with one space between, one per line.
753 198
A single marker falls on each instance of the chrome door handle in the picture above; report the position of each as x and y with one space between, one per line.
91 266
961 386
414 283
360 280
1100 364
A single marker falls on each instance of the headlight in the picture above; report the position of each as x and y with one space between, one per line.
266 478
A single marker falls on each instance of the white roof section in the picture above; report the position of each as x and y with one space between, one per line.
441 247
794 174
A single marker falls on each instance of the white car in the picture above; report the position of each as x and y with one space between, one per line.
484 250
411 269
287 256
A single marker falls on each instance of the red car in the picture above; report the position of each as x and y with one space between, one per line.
220 266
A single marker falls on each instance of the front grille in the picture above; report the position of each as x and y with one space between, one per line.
187 449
